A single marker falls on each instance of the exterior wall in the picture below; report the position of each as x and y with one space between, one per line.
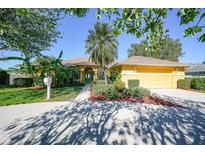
153 76
178 73
82 72
13 76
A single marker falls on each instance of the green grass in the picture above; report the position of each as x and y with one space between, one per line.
9 96
99 87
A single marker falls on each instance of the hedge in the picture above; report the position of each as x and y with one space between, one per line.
23 82
183 84
133 83
111 93
198 83
99 82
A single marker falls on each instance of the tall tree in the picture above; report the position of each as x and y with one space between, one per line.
27 31
102 45
171 49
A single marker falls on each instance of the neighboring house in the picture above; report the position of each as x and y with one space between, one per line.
12 76
196 70
152 72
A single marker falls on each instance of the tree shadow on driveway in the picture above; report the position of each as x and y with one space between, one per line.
109 123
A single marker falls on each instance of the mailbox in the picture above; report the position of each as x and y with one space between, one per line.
47 81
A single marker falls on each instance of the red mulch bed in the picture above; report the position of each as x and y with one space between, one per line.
146 100
159 101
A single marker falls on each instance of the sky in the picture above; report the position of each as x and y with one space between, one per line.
75 31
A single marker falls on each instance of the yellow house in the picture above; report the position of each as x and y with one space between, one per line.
151 72
88 70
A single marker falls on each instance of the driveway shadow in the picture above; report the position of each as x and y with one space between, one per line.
109 123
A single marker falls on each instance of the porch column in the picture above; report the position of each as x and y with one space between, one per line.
95 74
82 74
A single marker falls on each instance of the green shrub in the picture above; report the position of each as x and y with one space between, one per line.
183 84
127 92
113 74
119 85
23 82
78 83
111 93
198 83
100 89
99 82
140 92
133 83
38 81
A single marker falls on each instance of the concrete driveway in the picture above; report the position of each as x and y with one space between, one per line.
85 122
179 93
183 97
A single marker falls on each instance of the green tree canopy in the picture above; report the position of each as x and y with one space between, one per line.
28 31
150 23
102 45
171 49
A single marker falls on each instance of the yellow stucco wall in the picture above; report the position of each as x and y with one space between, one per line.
82 72
153 76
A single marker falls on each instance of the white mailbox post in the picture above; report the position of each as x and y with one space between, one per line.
47 81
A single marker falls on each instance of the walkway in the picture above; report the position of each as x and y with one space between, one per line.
84 94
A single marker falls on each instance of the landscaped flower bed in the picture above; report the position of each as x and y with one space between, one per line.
146 100
131 95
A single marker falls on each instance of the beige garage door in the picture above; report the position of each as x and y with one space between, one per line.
155 80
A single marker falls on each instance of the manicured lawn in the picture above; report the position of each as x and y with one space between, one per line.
99 87
9 96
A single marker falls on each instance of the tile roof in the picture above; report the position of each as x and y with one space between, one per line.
196 68
148 61
78 61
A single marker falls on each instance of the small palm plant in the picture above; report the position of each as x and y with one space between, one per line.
102 45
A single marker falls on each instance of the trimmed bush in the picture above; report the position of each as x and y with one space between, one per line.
99 82
23 82
111 93
198 83
140 92
127 92
99 89
183 84
119 85
133 83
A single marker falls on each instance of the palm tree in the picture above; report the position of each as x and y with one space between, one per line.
101 45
